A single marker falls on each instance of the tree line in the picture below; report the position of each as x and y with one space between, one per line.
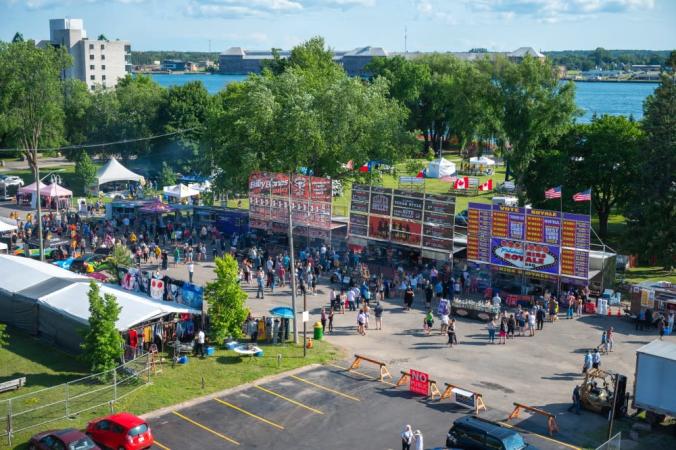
306 112
609 59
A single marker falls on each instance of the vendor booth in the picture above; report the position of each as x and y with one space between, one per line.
181 193
481 165
115 176
51 303
54 196
439 168
26 195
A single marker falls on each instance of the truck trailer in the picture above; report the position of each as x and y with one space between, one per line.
655 380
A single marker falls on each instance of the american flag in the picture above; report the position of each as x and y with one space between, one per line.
584 196
554 192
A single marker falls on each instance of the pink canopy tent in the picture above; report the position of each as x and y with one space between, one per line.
156 207
30 189
54 190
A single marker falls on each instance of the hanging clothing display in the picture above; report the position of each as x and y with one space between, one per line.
156 289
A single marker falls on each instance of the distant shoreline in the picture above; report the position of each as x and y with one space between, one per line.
612 81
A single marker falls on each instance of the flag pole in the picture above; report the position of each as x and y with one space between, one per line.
558 288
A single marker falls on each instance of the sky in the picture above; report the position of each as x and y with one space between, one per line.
429 25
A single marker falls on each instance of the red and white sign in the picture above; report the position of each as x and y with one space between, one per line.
419 383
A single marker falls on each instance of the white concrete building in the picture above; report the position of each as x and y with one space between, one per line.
100 64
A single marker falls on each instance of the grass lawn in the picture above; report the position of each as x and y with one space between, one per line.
44 366
640 274
67 174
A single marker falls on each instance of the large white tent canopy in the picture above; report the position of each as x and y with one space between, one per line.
481 161
6 226
440 167
180 191
27 272
114 171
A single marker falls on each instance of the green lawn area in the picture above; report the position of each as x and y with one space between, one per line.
44 366
67 174
640 274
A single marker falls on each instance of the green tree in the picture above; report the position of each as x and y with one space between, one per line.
18 37
85 171
30 95
140 100
103 346
77 103
102 37
282 122
533 108
651 212
4 337
167 175
604 156
226 300
119 258
277 64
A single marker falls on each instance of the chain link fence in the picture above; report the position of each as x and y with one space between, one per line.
38 408
614 443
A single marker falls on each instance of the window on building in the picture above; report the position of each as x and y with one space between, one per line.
93 87
92 67
103 47
103 77
91 46
92 77
103 85
91 56
103 67
103 56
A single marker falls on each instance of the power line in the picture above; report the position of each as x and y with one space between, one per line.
83 146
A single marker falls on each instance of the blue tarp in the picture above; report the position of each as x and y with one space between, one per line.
283 312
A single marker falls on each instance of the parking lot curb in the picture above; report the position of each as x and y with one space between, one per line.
205 398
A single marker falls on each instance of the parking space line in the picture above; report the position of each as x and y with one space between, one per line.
360 373
319 386
197 424
508 425
243 411
309 408
162 446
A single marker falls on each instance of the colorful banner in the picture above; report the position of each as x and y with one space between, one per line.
524 255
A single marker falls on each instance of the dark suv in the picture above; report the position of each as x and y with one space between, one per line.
471 432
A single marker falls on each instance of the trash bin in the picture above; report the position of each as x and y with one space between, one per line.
319 331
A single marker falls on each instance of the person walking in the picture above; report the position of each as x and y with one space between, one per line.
378 311
660 327
511 325
199 348
419 445
323 320
428 322
588 360
576 401
452 339
604 342
260 283
408 298
540 318
531 323
503 331
596 359
331 321
191 271
610 339
361 320
406 438
491 331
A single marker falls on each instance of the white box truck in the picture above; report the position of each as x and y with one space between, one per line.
655 380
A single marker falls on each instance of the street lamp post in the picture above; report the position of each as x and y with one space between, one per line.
292 269
37 201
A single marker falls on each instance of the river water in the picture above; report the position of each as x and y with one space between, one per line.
592 98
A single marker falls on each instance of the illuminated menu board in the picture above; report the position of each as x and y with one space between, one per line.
479 228
575 231
534 240
543 226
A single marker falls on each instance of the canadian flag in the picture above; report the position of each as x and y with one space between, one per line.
487 186
461 183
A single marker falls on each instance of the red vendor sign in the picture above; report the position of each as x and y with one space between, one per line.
420 383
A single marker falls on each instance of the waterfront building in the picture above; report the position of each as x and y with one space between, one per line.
99 63
239 61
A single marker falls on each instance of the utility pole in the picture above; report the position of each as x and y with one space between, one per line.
37 196
304 323
292 269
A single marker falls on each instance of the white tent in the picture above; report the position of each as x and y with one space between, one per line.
6 225
27 272
440 167
481 161
180 191
114 171
72 300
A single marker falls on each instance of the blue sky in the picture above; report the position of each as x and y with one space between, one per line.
432 24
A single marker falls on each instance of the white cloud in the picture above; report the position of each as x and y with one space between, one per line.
34 5
556 10
265 8
426 9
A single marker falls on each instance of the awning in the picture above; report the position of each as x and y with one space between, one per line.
114 171
54 190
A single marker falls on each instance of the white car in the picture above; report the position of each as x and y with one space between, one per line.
10 180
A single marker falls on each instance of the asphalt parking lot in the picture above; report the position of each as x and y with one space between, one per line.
325 407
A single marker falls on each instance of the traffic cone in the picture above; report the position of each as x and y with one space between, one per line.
619 313
610 312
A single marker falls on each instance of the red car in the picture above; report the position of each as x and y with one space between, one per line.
122 431
68 439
